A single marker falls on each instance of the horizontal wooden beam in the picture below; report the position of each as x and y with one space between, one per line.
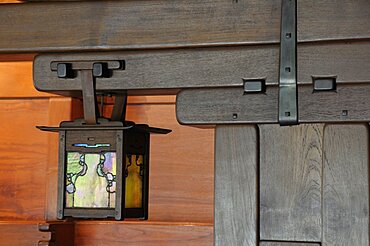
349 103
112 25
209 67
115 25
144 233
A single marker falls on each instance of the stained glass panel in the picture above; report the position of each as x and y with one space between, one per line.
90 180
134 181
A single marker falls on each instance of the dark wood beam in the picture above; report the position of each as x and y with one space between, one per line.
112 25
115 25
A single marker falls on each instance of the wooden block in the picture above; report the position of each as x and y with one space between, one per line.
236 186
346 185
290 182
143 233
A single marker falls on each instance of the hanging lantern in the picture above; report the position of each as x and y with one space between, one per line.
103 163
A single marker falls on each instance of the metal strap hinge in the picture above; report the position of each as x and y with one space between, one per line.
288 108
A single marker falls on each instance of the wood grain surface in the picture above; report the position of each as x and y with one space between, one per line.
23 158
143 233
22 233
16 80
290 182
348 103
346 185
236 189
107 25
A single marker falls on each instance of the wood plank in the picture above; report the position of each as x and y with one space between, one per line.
287 244
236 185
168 69
349 103
178 24
346 185
16 80
153 234
22 233
348 61
107 25
23 158
290 182
319 20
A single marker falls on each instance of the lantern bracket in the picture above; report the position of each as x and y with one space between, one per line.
89 71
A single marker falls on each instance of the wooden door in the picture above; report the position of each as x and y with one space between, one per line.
302 185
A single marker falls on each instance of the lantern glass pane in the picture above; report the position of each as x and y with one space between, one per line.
134 181
90 180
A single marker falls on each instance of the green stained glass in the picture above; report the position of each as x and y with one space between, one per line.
90 180
134 181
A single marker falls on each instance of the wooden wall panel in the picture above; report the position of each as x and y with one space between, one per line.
346 185
143 234
23 158
290 182
16 80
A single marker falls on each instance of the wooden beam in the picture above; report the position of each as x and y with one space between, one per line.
210 67
113 25
348 103
143 233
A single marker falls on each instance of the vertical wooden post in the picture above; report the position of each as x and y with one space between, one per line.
236 186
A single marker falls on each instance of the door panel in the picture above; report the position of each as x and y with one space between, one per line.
290 182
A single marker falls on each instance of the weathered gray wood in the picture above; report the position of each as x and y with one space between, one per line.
333 19
287 244
236 186
226 105
349 103
290 182
348 61
107 25
346 185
